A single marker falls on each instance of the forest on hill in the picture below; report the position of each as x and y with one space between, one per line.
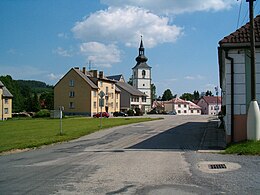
29 95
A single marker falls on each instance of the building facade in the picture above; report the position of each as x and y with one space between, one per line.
210 105
78 93
5 102
235 79
131 98
142 77
177 105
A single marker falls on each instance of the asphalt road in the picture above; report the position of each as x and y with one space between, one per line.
158 157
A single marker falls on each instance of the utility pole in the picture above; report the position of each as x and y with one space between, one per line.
253 115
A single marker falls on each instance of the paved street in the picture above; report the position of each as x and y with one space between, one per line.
158 157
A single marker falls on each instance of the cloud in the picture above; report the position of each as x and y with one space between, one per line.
197 77
102 55
63 35
54 77
174 6
62 52
125 25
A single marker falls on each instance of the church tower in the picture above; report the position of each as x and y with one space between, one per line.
142 77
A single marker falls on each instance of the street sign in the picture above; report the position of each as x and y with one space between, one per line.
101 94
101 102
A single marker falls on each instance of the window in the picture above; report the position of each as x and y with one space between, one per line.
179 111
101 83
185 106
6 101
72 105
117 96
143 73
95 104
212 108
106 90
116 104
191 111
112 86
179 105
143 99
112 96
185 111
95 93
198 111
72 94
71 83
132 99
143 85
112 105
6 111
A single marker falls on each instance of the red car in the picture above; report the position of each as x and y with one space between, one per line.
104 114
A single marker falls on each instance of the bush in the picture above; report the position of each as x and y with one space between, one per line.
130 112
152 112
138 112
42 113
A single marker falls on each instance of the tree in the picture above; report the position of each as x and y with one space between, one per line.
35 103
196 95
130 82
187 96
167 95
208 93
47 100
153 92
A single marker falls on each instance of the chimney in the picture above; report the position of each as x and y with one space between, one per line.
84 70
93 73
101 74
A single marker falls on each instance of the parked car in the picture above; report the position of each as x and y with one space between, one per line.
104 114
172 112
119 114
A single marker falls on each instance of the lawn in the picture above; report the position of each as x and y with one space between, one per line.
244 148
30 133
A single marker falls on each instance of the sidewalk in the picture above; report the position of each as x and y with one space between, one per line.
213 138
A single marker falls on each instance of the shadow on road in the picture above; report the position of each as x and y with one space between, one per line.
189 136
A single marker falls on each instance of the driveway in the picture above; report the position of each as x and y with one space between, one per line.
157 157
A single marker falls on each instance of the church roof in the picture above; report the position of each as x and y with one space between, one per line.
141 59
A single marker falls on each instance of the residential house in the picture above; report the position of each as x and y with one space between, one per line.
130 97
5 102
210 105
235 78
180 106
78 93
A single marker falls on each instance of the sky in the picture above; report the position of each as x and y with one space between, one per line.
42 40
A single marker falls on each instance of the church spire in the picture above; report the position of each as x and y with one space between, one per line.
141 58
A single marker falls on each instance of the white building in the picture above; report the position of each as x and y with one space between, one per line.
142 77
235 79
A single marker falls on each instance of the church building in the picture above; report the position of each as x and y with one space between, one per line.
142 77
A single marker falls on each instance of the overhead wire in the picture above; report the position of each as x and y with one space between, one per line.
239 12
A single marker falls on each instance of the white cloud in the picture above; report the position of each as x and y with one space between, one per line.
54 77
175 6
196 77
62 52
102 55
125 25
63 35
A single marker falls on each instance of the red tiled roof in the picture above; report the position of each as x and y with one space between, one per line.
212 99
242 35
177 101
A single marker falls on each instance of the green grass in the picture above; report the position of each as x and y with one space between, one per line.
30 133
244 148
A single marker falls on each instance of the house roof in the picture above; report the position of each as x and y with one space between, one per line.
176 101
1 84
193 106
6 93
116 77
86 78
212 99
130 89
242 35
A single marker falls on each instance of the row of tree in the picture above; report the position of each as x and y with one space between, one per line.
30 96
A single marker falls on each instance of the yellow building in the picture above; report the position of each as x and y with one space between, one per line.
5 102
78 93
